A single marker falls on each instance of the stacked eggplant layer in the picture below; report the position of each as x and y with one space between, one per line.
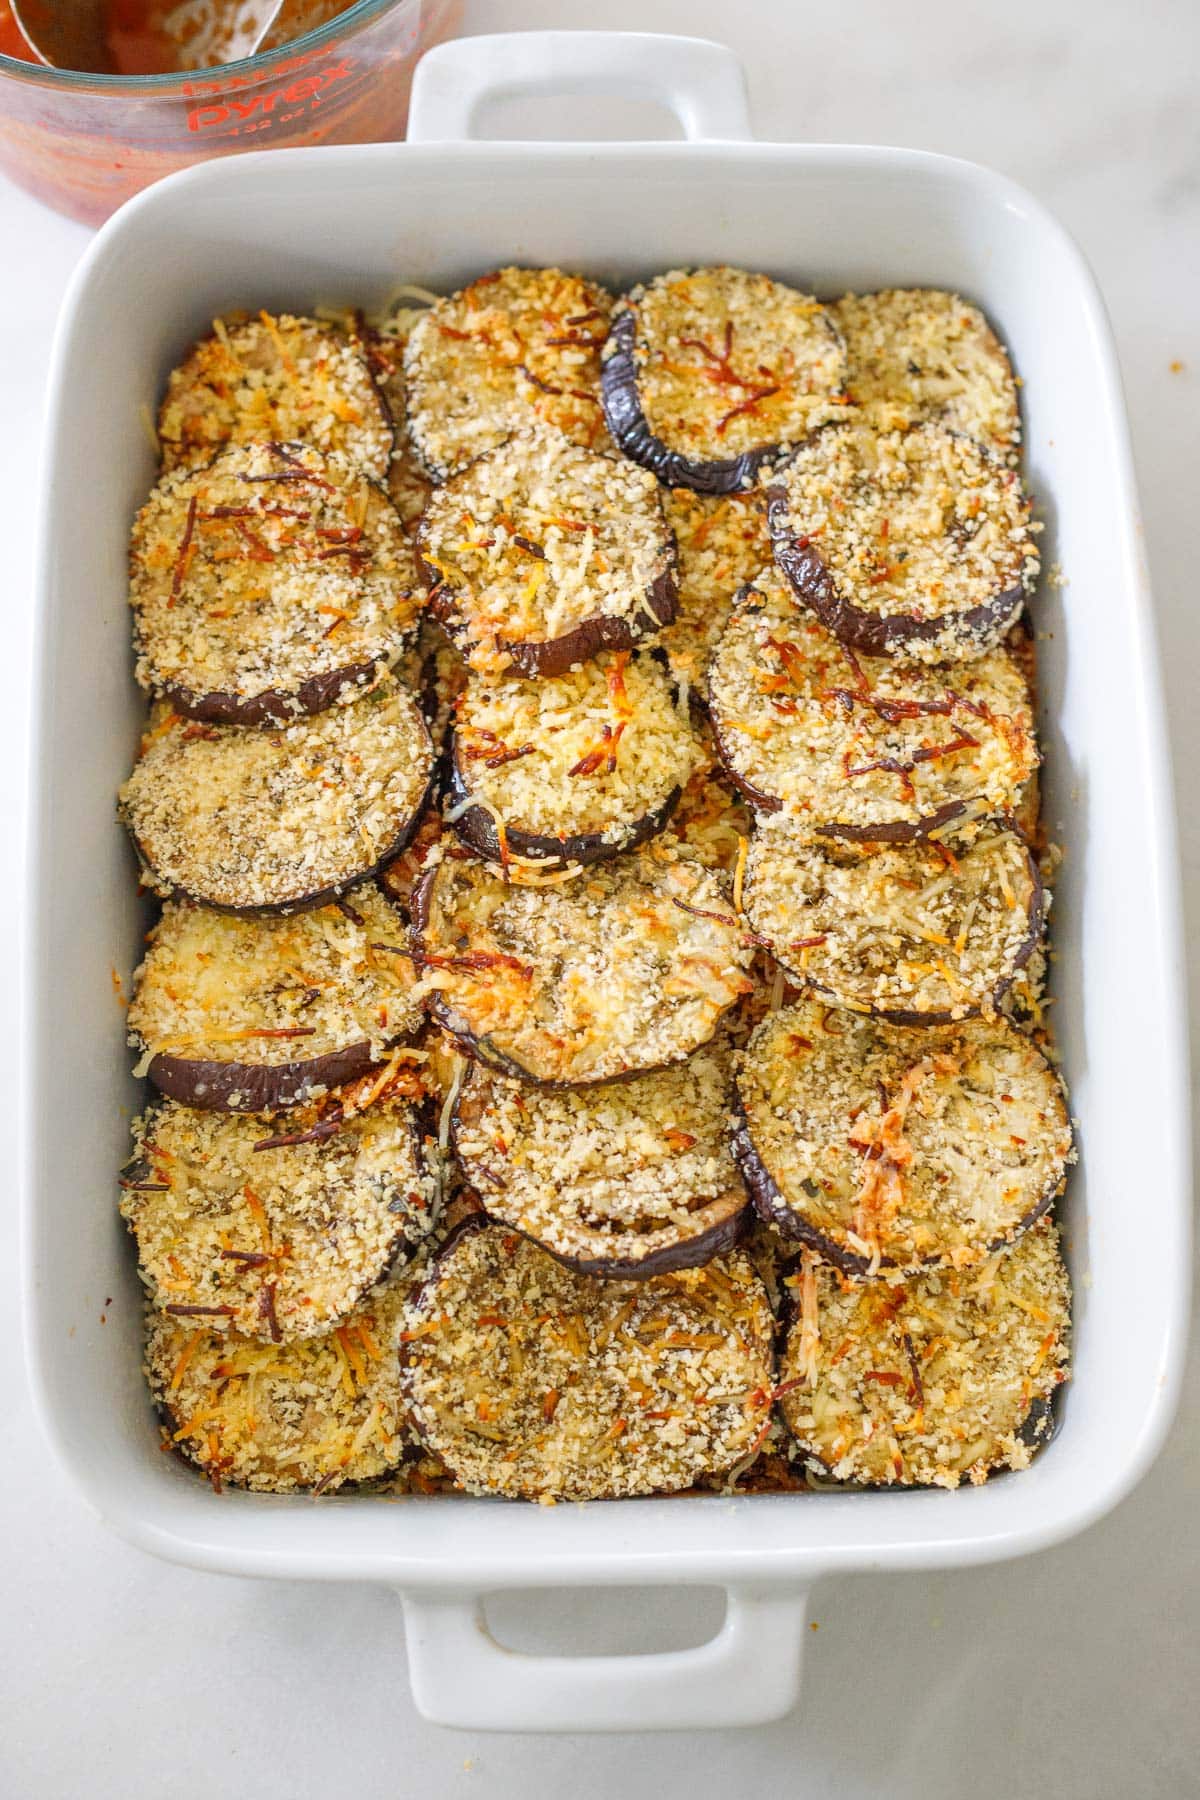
594 1019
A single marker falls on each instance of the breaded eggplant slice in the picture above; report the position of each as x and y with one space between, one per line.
709 373
268 821
283 377
626 967
571 769
266 1228
542 554
911 543
881 1147
923 1382
921 353
251 1015
721 543
629 1179
863 747
535 1382
918 934
307 1416
408 484
516 348
270 583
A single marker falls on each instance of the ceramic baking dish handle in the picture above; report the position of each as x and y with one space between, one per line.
702 83
747 1674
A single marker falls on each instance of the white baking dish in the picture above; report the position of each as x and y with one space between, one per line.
345 223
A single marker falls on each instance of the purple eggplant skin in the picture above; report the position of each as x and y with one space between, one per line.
211 1086
632 435
804 568
689 1253
273 706
556 656
773 1209
307 902
892 1015
477 828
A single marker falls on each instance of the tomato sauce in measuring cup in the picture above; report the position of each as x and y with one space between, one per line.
84 143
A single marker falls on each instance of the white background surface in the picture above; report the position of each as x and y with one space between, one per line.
1069 1675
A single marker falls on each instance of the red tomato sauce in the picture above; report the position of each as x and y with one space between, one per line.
138 41
11 41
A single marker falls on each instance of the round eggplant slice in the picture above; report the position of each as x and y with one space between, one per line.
542 553
927 1381
866 747
721 543
571 769
626 967
282 378
628 1180
884 1148
307 1416
516 348
918 934
267 821
913 543
921 353
270 583
710 373
534 1382
251 1015
269 1229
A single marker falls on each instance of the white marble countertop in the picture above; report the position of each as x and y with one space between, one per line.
1073 1674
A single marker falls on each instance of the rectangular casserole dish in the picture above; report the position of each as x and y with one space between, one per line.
346 224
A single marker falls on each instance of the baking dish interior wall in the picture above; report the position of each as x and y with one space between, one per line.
349 231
